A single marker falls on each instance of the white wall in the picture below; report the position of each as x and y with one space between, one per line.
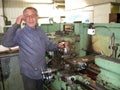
77 4
45 11
98 14
1 17
101 13
85 15
75 10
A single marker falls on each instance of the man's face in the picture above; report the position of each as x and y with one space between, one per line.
30 17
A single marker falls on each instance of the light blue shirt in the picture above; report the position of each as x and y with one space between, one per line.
33 44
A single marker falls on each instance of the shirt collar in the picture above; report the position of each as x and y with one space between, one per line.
31 28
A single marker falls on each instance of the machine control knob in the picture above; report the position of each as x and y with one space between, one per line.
82 65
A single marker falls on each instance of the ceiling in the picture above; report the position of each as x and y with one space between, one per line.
58 3
36 1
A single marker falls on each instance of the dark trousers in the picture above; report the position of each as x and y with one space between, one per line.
32 84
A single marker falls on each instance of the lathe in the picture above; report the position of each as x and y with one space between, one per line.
92 61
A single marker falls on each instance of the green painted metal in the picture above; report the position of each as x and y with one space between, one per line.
109 76
1 86
67 84
105 39
100 41
59 84
81 29
48 28
10 68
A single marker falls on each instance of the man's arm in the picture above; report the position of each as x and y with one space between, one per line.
8 39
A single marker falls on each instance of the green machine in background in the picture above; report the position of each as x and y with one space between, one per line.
93 63
48 28
106 41
109 62
109 76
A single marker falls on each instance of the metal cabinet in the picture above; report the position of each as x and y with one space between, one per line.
10 78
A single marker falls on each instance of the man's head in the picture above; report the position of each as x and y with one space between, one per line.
30 16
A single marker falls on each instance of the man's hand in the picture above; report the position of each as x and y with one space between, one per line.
64 45
19 19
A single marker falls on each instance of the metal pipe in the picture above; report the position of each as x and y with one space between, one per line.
3 10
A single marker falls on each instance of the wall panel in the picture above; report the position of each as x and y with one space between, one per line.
75 4
101 13
1 17
13 9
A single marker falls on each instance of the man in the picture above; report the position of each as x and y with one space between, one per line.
33 44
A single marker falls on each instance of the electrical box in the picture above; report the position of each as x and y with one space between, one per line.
114 17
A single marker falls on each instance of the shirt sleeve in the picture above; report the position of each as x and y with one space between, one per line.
50 45
8 38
